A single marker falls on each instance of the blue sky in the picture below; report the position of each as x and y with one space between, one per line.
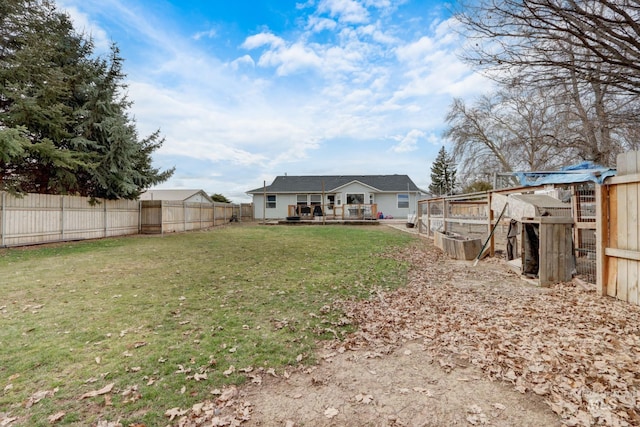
246 90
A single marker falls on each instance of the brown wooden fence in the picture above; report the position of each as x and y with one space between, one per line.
41 218
618 231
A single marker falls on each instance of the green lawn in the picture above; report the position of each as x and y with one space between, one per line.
163 318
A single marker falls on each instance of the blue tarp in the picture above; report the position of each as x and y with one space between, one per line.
582 172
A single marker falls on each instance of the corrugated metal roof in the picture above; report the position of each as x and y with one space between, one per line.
314 183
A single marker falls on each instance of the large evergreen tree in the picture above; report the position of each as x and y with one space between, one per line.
64 123
443 174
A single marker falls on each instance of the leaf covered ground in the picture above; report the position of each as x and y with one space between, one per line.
460 345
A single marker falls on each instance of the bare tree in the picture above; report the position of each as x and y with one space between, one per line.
585 56
514 129
603 37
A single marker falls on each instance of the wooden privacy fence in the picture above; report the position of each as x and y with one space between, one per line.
618 233
42 218
164 216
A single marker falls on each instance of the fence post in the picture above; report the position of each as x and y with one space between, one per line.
602 237
3 217
106 215
61 217
445 215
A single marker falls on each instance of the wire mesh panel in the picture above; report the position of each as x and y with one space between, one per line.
584 236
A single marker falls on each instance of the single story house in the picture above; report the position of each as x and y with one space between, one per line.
337 196
190 196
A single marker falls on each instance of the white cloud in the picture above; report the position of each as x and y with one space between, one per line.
414 52
316 24
205 34
290 59
262 39
85 25
408 142
347 11
244 60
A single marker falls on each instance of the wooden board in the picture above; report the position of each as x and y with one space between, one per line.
612 263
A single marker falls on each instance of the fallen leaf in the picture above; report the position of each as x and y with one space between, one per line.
38 396
331 412
103 423
174 412
229 371
56 417
6 420
228 394
104 390
364 398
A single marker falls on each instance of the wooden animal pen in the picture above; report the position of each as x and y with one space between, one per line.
475 216
547 249
618 231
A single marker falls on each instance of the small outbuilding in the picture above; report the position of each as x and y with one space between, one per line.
189 196
546 236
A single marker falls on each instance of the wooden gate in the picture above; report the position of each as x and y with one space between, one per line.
618 231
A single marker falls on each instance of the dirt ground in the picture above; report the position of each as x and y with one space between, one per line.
403 388
396 384
460 345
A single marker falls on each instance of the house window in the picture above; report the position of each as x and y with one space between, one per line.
271 201
355 199
403 201
301 200
315 199
332 200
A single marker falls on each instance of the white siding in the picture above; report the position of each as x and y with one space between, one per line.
280 211
387 202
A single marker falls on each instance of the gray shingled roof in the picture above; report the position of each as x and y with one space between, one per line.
313 184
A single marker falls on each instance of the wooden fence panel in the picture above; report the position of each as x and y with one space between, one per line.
123 217
173 216
246 212
620 251
176 216
43 218
151 217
